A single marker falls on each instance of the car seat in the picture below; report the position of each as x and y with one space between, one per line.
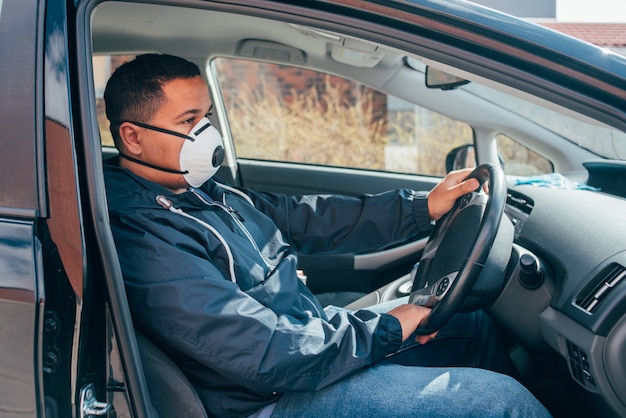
171 393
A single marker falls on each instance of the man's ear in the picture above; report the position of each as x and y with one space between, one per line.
130 138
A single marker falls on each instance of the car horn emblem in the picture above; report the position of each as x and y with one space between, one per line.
466 200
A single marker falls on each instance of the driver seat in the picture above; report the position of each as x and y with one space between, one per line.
171 393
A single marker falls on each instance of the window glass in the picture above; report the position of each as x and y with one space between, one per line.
519 160
103 67
283 113
601 140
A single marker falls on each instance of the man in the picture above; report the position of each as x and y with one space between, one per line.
210 273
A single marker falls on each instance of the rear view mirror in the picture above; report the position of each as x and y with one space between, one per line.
438 79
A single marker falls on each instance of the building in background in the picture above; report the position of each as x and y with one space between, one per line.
611 36
601 22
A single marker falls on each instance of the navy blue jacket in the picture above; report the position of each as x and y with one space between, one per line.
211 277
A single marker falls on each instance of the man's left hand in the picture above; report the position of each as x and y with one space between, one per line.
442 197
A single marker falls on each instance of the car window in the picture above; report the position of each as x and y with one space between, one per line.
103 67
284 113
601 140
519 160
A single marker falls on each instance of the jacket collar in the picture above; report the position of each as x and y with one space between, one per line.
126 189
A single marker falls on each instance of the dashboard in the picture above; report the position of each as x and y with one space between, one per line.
566 286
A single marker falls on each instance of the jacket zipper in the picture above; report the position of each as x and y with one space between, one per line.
167 204
237 218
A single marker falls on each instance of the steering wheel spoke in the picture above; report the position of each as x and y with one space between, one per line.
461 242
430 295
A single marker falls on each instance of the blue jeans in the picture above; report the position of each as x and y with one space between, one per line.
446 377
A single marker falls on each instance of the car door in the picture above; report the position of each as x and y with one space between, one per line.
41 242
300 131
20 206
37 301
59 336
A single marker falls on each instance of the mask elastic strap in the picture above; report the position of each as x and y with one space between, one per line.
156 167
162 130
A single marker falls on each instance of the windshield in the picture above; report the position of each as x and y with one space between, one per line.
603 141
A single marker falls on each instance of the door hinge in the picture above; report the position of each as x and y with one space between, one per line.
89 406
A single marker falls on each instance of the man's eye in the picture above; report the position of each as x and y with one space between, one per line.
210 112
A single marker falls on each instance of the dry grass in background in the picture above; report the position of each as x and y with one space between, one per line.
339 124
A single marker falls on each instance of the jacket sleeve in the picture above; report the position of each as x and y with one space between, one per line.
176 292
331 223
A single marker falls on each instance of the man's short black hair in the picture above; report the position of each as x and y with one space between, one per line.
134 91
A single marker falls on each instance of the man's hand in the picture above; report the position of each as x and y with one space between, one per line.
442 197
410 316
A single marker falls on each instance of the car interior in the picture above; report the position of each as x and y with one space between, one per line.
561 287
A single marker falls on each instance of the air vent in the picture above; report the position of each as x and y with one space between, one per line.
517 208
592 295
519 201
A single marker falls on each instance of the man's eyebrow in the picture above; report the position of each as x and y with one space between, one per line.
190 112
194 112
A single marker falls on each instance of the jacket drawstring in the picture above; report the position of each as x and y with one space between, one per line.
236 191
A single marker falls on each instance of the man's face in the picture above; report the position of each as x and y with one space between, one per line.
186 102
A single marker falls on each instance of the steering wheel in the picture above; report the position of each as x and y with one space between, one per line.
458 248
